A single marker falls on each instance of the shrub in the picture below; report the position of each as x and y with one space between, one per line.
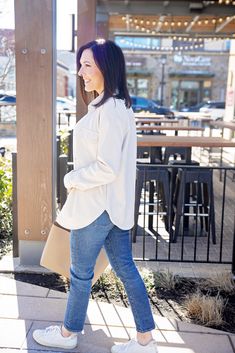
64 141
5 198
166 280
148 278
221 281
205 310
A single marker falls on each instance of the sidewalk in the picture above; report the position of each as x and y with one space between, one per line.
25 307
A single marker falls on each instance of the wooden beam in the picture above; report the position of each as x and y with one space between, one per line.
160 23
192 23
159 7
35 86
223 24
102 25
230 91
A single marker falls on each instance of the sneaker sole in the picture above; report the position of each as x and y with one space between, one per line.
37 339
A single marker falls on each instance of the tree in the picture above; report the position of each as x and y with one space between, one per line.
7 42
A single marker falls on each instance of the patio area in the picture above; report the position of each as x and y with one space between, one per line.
191 247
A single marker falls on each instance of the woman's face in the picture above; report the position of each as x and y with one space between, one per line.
91 74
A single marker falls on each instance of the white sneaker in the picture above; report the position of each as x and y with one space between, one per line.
133 346
52 337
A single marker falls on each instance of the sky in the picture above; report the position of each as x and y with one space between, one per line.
64 10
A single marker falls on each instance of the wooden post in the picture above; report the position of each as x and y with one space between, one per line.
86 32
102 25
36 121
14 206
230 94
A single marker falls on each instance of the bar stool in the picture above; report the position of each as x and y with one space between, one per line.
173 177
201 198
154 176
175 152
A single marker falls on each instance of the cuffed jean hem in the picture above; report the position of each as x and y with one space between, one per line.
146 330
70 330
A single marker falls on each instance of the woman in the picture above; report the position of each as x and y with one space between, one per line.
100 204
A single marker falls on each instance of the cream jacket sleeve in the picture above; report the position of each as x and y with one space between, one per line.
111 136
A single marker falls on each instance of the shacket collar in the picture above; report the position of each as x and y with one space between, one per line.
91 105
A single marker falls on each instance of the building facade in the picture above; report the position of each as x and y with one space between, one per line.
179 78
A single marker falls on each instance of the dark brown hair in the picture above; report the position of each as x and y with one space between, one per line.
110 60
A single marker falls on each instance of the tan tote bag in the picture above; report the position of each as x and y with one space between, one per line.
56 254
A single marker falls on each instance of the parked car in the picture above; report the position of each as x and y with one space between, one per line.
8 100
193 108
63 103
215 109
143 104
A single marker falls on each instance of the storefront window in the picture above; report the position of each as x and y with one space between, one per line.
189 85
187 93
206 93
142 87
138 86
174 94
131 86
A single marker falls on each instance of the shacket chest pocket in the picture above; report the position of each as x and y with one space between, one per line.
85 145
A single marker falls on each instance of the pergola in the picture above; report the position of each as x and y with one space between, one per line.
36 76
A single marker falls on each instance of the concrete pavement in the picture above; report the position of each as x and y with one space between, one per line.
24 307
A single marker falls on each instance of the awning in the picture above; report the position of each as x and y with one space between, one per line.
190 73
134 71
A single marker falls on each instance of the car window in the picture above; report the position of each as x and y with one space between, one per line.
8 99
215 105
142 102
220 105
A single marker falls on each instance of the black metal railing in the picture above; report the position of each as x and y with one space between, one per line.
200 208
203 210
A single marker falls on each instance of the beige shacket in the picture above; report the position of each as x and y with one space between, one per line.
103 178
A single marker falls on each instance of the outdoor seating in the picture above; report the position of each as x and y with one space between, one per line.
175 152
173 177
200 199
145 152
159 186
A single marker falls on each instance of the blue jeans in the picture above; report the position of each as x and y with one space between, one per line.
86 244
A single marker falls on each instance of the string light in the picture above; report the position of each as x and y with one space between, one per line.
173 23
145 25
163 48
226 2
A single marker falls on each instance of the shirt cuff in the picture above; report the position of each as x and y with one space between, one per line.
68 180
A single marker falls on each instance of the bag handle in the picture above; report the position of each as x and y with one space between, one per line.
59 226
